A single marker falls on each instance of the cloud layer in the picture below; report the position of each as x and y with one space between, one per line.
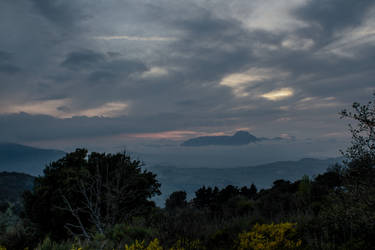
80 69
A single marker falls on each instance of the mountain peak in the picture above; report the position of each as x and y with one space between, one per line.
238 139
242 133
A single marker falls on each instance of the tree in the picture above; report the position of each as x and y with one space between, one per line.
363 135
82 193
204 197
176 200
249 192
349 216
360 156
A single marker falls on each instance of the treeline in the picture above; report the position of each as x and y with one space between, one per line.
315 214
104 207
102 201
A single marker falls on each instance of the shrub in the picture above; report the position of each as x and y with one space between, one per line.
153 245
270 237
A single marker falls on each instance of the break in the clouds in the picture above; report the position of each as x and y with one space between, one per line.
101 69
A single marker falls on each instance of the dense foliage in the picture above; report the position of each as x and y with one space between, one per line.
268 237
81 194
12 185
102 201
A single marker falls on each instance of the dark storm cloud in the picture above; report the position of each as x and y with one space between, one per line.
329 74
79 60
44 127
62 13
4 56
91 60
5 63
124 66
175 84
8 68
102 76
210 48
335 15
106 72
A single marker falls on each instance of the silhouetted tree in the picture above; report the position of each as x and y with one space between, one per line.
205 196
176 200
80 192
349 216
249 192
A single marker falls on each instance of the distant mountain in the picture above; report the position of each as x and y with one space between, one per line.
12 186
191 179
29 160
24 159
239 138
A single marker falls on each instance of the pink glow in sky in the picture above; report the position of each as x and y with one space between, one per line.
172 135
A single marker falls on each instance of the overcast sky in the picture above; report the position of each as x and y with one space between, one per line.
118 72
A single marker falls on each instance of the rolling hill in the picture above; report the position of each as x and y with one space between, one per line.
25 159
31 161
191 179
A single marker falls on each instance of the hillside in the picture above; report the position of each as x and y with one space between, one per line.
28 160
191 179
12 185
24 159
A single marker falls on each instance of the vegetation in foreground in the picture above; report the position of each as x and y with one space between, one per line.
102 201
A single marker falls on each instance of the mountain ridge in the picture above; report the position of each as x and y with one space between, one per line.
15 157
263 175
31 161
237 139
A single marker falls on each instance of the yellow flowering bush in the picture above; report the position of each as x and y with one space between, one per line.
187 244
270 237
153 245
76 248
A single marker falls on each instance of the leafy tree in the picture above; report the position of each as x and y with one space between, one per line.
176 200
227 193
82 192
363 134
304 191
360 156
249 192
349 217
204 197
278 200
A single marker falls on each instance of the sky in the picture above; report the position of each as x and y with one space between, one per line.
146 75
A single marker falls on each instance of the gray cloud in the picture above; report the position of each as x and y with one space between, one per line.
79 60
4 56
335 15
51 56
5 63
61 13
8 68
